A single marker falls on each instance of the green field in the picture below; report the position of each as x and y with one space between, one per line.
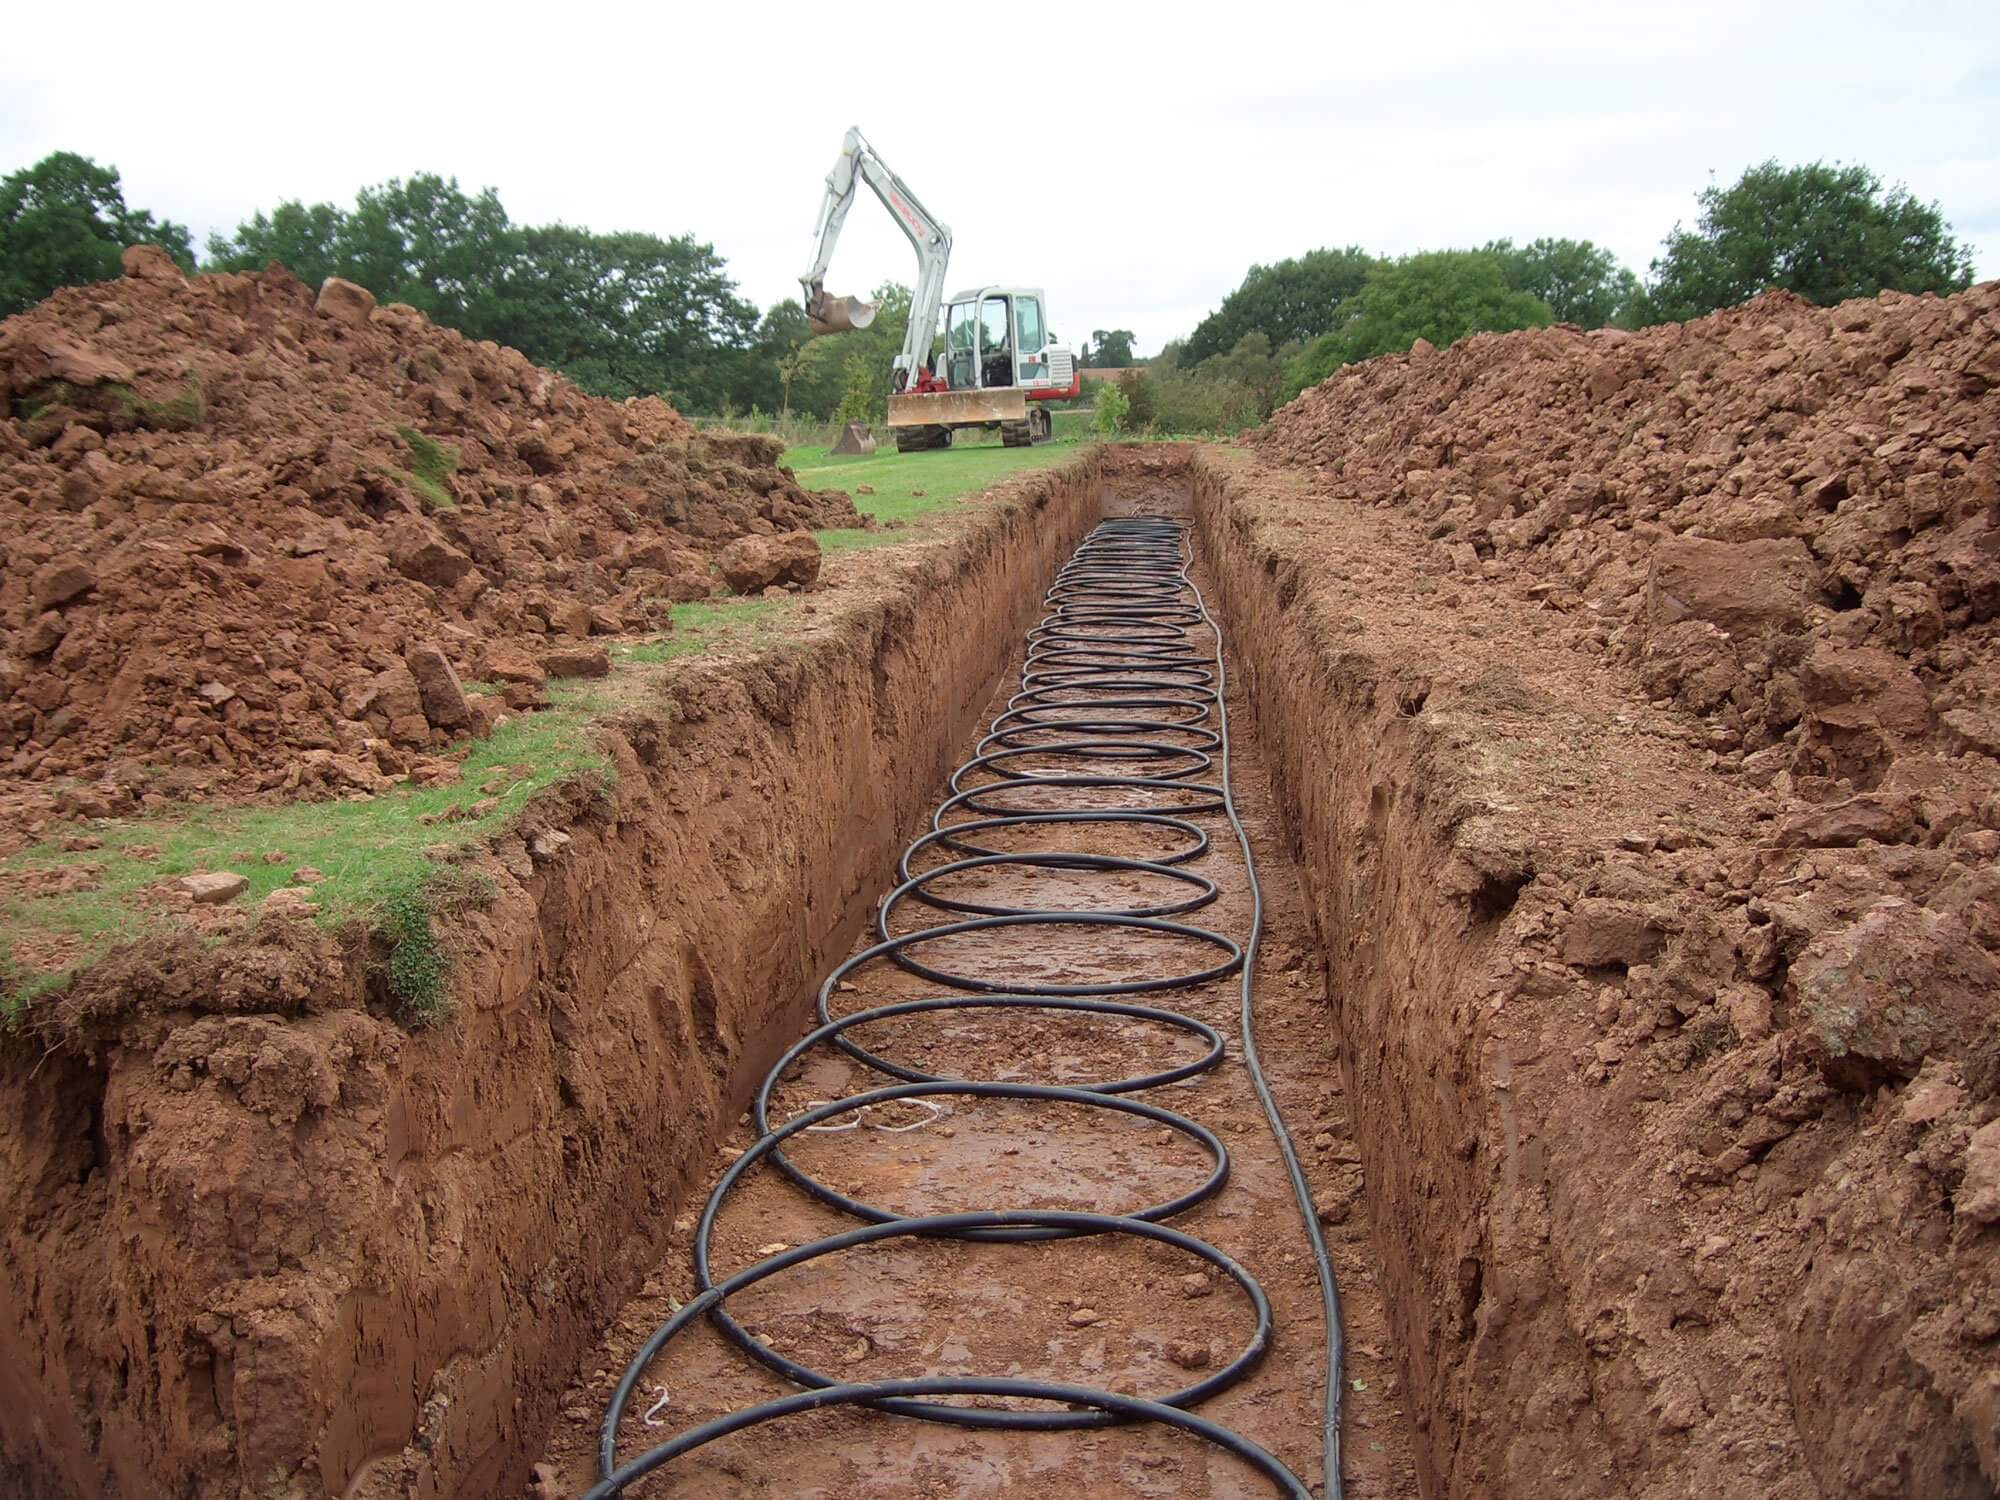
974 461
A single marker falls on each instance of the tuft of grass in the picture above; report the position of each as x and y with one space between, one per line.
431 466
182 413
419 964
45 399
375 854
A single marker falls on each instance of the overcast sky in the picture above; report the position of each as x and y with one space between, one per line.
1133 163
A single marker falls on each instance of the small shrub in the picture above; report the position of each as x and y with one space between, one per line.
861 397
1112 408
1141 400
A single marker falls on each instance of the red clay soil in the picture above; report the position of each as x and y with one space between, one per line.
260 1239
1669 659
222 554
1788 517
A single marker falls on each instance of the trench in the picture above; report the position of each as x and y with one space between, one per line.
1112 1312
504 1210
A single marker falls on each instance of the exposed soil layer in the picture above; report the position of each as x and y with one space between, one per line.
255 537
260 1240
1103 1312
1675 1083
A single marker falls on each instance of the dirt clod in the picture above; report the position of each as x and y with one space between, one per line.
577 661
1190 1354
753 564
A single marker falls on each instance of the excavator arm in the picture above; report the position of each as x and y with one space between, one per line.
859 162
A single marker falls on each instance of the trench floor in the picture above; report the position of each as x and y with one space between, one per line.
1105 1311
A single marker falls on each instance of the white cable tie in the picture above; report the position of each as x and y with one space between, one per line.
653 1411
935 1111
812 1104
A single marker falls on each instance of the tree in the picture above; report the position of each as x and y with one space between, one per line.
1581 283
1826 232
1109 415
800 361
863 396
64 222
427 242
304 239
1252 372
1109 349
1292 302
822 386
633 312
767 367
1441 295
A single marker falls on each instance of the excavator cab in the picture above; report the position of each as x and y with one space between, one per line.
996 339
998 367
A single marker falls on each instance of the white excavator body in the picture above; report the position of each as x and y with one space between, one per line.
996 362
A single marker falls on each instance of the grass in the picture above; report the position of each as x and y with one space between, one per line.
181 413
431 466
705 626
381 857
1074 423
974 461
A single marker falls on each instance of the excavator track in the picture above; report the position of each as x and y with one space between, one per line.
1037 427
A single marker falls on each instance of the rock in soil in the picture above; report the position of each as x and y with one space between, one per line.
577 661
752 564
213 889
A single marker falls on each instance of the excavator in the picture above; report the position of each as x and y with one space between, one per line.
1000 365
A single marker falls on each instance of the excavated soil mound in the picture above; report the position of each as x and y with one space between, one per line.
1762 1006
1789 516
260 536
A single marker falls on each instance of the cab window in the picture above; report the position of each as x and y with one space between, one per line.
1028 316
959 331
993 325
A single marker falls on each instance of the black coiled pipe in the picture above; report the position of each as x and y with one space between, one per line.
1112 681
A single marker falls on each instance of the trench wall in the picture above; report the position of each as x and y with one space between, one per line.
1634 1241
262 1240
1501 1235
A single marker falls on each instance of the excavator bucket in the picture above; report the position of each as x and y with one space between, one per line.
826 314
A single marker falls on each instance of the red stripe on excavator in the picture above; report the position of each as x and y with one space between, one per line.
1075 389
